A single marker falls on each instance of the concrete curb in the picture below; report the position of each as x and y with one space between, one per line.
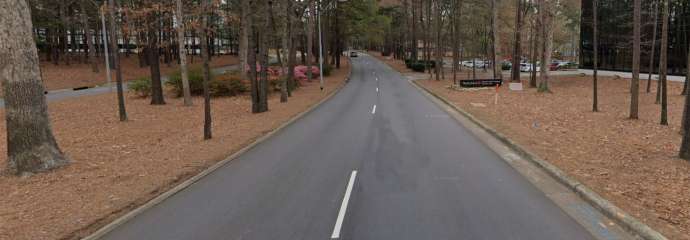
628 222
162 197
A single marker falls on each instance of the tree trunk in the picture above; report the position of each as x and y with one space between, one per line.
186 92
264 41
653 54
496 42
286 38
517 48
546 16
154 64
244 34
534 45
310 39
663 66
439 59
116 62
635 82
31 146
685 144
289 79
251 58
205 9
63 32
595 66
91 52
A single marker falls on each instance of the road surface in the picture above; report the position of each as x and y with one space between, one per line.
377 161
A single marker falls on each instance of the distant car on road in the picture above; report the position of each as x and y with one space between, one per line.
527 67
477 63
354 54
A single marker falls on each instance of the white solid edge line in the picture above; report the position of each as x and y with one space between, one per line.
373 110
377 89
343 206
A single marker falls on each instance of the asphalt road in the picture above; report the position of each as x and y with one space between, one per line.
419 175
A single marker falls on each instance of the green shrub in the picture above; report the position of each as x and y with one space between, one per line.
196 80
409 62
418 67
141 86
274 85
506 65
327 69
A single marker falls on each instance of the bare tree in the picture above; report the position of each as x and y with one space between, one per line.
495 41
91 52
245 27
685 144
663 65
116 62
439 57
635 83
546 32
184 75
257 49
31 146
653 46
264 40
517 48
205 31
595 46
154 59
310 38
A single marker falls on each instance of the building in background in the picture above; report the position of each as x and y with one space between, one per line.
616 35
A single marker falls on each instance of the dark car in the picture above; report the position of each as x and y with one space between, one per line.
353 54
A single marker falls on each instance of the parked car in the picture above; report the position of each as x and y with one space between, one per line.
553 66
506 65
354 54
477 63
527 67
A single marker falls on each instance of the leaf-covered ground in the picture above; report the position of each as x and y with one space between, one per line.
118 166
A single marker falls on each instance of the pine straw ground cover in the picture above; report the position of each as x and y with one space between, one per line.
118 166
63 76
633 163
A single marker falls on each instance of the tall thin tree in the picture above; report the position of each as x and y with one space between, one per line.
546 27
517 45
595 55
116 62
154 58
635 82
205 31
31 146
495 42
663 63
652 56
685 144
180 27
90 45
245 28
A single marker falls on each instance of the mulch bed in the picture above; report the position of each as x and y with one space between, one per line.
75 75
118 166
633 163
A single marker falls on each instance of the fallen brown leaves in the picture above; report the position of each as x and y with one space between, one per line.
118 166
63 76
633 163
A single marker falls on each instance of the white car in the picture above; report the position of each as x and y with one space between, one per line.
476 63
527 67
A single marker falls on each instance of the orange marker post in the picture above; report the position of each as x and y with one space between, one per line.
496 96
